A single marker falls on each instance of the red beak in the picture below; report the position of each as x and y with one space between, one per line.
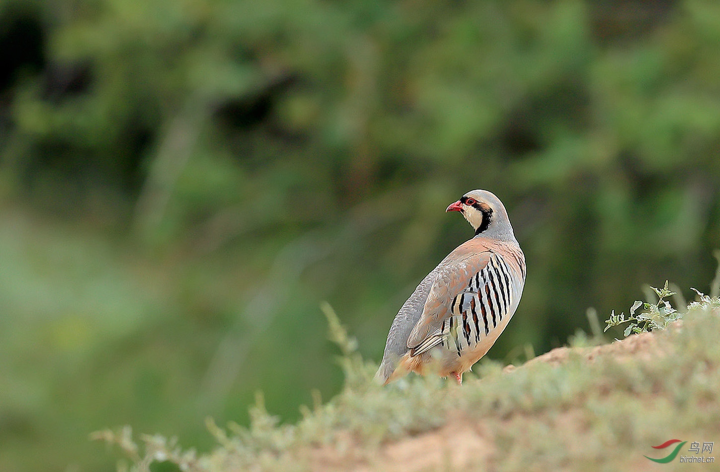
457 206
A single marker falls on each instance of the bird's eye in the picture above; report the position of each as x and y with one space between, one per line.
470 201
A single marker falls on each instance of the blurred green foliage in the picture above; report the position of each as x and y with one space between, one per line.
182 182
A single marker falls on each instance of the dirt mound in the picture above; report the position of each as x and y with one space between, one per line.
464 443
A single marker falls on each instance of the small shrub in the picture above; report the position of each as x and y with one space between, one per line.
655 315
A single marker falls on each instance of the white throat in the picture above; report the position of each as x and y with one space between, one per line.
473 216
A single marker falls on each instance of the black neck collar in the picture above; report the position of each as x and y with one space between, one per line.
487 214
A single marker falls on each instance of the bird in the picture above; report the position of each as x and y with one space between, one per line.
457 312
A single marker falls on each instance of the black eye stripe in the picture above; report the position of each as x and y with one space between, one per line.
474 203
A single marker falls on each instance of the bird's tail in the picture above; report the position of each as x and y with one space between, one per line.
384 373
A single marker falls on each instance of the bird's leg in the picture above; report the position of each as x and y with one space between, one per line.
458 377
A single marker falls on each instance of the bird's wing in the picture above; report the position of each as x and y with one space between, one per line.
402 325
469 298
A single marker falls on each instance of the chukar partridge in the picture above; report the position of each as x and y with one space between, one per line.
460 308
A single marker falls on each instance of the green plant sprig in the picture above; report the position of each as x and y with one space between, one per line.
655 315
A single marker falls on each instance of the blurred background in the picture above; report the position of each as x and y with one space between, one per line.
182 182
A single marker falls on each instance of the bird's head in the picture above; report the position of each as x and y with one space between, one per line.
486 213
